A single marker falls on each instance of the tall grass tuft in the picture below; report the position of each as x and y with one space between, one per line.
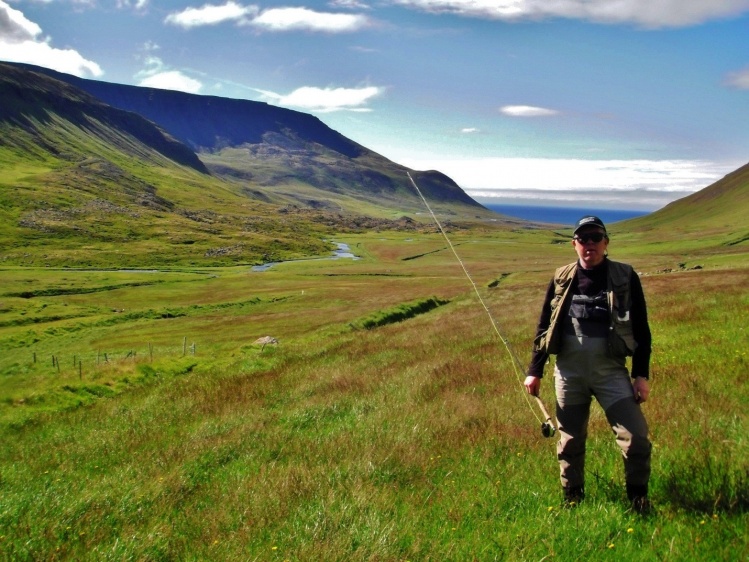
707 481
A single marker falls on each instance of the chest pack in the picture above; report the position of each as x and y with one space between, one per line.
621 341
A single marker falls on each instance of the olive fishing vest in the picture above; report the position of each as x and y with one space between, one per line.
621 341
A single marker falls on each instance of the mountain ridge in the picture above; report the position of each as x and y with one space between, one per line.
281 146
27 98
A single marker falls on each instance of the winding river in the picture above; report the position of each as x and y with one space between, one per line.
342 251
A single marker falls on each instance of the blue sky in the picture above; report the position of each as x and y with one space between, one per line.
624 104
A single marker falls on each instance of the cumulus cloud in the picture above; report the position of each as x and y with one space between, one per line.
527 111
325 100
210 14
21 40
303 19
274 19
645 13
157 75
172 80
739 79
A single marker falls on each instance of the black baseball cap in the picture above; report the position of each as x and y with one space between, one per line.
589 220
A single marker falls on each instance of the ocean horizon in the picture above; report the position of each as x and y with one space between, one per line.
563 215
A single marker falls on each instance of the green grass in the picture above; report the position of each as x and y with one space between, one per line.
411 440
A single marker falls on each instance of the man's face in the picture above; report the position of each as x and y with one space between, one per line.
590 251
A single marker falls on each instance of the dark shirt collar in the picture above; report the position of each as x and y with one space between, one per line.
600 267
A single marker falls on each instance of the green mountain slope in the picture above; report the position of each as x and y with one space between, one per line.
86 185
36 105
280 155
719 210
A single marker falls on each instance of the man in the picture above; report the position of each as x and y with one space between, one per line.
593 317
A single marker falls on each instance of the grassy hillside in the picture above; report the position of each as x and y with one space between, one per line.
717 211
706 229
108 210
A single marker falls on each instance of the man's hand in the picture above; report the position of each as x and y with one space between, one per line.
532 385
641 389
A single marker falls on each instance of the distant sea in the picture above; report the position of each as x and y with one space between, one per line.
563 215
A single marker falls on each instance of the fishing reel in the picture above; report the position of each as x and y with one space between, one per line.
548 429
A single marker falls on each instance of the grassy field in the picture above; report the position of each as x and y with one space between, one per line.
140 421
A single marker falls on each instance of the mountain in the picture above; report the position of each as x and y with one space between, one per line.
718 212
287 156
86 184
27 95
208 123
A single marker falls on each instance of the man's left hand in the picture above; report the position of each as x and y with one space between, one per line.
641 389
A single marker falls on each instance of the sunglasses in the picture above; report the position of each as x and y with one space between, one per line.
595 237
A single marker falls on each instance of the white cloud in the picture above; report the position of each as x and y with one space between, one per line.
172 80
349 5
274 19
137 5
646 13
210 14
549 179
156 75
325 100
21 41
303 19
14 27
469 130
149 46
739 79
527 111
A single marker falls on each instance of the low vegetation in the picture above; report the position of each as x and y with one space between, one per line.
162 431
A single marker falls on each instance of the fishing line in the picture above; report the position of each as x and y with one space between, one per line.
547 426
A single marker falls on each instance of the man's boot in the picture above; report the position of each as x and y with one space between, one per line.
573 495
638 497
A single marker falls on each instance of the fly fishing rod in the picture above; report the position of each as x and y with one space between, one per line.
547 426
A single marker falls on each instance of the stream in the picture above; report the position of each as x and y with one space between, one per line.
342 251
